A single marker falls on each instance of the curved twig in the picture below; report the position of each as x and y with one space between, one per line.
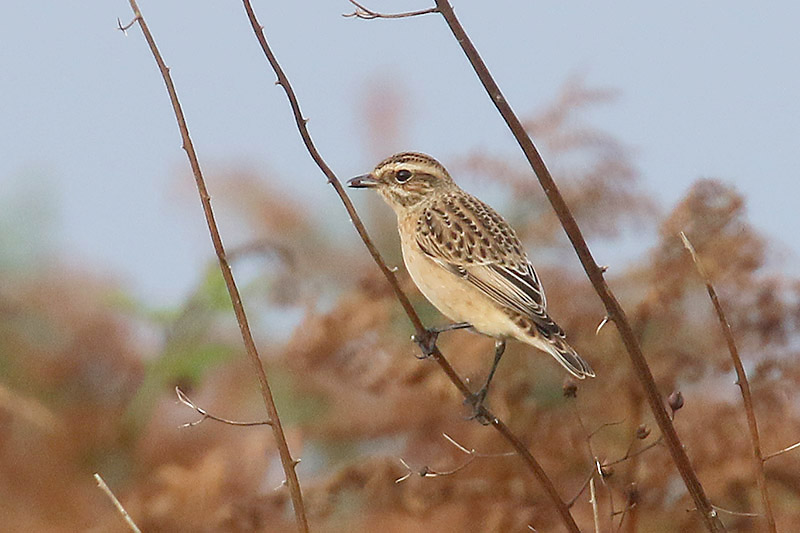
205 415
365 13
101 483
744 386
287 462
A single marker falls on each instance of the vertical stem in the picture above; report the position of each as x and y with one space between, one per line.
744 386
595 509
287 462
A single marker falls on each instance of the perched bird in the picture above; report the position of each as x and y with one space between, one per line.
467 260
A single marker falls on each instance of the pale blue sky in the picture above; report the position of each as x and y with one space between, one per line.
706 90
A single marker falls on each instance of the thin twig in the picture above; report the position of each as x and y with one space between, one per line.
585 484
634 454
422 335
120 509
429 472
593 270
124 29
781 452
287 461
602 471
593 501
185 400
623 514
362 12
744 386
728 511
472 453
735 513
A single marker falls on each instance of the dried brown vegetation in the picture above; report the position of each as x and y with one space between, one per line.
88 376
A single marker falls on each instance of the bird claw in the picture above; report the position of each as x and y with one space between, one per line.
426 342
479 412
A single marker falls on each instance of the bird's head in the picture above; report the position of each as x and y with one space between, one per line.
406 179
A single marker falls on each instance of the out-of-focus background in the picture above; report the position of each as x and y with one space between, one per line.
652 120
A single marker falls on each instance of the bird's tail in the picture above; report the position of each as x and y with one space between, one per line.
567 356
546 335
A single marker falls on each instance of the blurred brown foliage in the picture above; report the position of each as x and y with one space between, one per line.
88 374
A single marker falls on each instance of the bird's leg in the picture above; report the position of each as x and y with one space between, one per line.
476 400
427 342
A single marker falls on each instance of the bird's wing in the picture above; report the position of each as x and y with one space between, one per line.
468 238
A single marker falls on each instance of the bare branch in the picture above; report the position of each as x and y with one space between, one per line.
602 427
593 501
185 400
472 453
585 484
247 337
124 29
422 335
630 454
362 12
735 513
781 452
630 503
120 509
728 511
744 386
428 472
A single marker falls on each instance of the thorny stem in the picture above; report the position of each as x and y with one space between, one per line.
595 273
287 461
420 331
205 415
744 386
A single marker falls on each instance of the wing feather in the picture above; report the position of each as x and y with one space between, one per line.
468 238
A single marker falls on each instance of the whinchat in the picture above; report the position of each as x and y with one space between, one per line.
467 260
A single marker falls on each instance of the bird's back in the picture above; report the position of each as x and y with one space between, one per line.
472 243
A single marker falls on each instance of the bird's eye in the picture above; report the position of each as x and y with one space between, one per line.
402 175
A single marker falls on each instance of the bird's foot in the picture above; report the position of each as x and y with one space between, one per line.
479 412
426 342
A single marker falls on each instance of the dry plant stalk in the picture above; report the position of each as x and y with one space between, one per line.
744 386
422 335
101 483
287 462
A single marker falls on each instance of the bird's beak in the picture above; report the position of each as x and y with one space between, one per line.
367 181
